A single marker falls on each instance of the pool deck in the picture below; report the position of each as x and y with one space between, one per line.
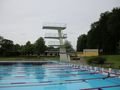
26 61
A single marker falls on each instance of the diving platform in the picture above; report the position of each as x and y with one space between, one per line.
60 36
55 26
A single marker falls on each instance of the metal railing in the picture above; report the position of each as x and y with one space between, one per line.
54 35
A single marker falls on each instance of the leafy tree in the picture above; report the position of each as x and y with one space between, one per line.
68 46
1 38
16 47
16 50
118 48
7 47
114 28
22 50
29 49
40 46
93 39
81 42
105 33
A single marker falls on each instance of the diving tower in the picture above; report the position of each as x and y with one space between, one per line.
55 36
60 36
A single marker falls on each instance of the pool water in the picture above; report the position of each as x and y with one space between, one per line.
54 76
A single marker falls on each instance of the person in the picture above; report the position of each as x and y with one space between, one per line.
108 75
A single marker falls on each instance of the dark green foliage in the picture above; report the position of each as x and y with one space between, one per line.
104 34
29 48
81 42
7 48
68 46
1 38
97 60
40 46
16 50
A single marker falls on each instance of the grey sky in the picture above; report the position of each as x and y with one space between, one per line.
21 20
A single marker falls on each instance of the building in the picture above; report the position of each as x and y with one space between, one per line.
88 52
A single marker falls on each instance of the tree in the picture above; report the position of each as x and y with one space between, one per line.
16 50
105 33
7 47
93 36
81 42
68 46
40 46
29 49
1 38
22 50
113 26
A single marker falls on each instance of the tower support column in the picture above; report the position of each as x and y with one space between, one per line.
63 54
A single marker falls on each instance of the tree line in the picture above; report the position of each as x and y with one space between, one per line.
8 48
104 34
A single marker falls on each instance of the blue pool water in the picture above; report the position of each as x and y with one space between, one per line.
53 77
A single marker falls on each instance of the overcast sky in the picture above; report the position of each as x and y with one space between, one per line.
22 20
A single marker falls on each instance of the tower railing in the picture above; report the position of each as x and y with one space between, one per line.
55 35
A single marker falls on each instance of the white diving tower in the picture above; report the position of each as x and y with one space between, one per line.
59 27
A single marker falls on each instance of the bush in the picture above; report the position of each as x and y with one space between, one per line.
96 60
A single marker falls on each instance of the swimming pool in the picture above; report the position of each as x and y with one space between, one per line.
53 76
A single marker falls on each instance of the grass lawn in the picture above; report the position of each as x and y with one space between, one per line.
115 59
23 58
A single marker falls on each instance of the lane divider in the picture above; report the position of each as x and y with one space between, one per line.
47 82
101 88
16 77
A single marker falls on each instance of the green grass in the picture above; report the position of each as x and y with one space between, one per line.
115 59
27 58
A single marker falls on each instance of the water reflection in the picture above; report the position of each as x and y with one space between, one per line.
39 72
33 71
5 70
